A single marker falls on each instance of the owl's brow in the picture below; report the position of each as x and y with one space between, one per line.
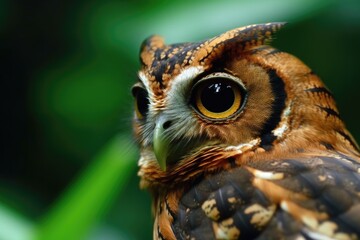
138 84
188 74
181 82
143 81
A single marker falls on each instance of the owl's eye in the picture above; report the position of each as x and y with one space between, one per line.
141 102
218 96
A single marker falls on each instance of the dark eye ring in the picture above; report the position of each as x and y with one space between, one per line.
141 101
218 96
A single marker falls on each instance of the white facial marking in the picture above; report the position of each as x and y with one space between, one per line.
145 81
284 123
280 130
243 146
183 80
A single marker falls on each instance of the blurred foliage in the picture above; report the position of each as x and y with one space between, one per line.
68 164
92 193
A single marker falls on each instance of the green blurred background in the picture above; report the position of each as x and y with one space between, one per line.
68 162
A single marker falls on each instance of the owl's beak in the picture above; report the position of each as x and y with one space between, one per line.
161 143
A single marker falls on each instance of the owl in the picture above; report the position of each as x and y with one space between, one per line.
239 140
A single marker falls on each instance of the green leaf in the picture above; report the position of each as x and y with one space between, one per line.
14 226
89 197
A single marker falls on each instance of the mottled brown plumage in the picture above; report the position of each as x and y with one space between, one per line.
269 159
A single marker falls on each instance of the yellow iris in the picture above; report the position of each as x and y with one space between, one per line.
218 98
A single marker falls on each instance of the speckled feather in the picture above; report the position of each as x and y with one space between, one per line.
161 62
285 168
286 198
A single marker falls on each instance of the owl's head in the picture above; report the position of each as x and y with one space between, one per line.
199 105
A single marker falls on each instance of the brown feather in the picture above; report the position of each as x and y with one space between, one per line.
285 166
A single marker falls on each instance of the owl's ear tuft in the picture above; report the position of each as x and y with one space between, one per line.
236 41
252 35
276 26
148 48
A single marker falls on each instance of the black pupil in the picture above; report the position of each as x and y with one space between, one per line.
217 97
142 102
